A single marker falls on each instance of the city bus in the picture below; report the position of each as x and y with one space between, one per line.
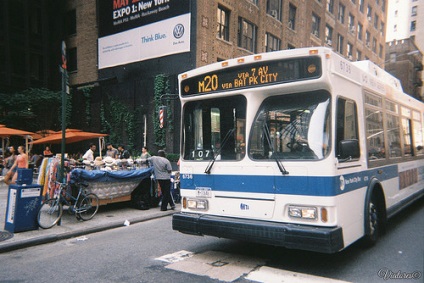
299 148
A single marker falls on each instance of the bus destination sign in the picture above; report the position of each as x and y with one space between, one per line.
253 75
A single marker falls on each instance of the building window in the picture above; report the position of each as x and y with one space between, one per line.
414 11
36 67
328 35
353 1
392 57
382 27
292 17
247 35
35 21
273 8
330 6
341 14
349 50
360 31
254 2
72 60
413 25
71 22
358 55
376 20
383 5
351 23
340 40
380 52
272 43
369 13
367 39
361 6
395 28
374 45
223 20
315 25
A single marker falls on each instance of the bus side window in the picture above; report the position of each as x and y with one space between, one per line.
346 125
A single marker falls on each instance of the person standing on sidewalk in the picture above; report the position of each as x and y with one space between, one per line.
162 169
20 162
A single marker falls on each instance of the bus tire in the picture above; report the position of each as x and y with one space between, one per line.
374 219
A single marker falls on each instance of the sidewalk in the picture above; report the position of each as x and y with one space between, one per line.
108 217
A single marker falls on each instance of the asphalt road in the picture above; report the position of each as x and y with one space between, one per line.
151 252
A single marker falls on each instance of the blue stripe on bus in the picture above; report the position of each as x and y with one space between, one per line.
290 185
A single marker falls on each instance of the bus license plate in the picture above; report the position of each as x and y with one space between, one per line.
203 192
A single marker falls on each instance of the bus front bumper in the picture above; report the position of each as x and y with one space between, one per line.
292 236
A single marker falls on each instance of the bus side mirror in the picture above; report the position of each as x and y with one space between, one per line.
348 149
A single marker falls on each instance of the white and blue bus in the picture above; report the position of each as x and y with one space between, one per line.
298 148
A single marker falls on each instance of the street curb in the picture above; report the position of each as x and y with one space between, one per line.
67 235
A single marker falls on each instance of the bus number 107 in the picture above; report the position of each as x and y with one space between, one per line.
209 83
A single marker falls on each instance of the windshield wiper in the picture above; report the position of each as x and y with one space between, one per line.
268 139
212 162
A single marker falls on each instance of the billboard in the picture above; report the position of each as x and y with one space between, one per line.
136 30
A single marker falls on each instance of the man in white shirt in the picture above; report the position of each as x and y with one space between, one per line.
89 155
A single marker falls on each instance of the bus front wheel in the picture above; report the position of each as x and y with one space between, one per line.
373 221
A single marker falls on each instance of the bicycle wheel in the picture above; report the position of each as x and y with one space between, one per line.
49 214
88 207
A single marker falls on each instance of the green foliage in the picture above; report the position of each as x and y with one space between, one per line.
32 109
87 94
119 122
173 157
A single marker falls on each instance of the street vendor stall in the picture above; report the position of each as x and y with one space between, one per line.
114 186
109 185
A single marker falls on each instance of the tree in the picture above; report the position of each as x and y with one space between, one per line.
32 109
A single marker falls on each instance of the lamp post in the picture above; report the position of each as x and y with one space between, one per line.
63 70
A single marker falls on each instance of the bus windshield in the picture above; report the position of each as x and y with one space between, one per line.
215 129
293 126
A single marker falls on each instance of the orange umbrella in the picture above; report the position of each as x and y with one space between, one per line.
7 132
71 136
44 133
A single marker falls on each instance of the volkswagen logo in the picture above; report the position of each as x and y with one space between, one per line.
178 31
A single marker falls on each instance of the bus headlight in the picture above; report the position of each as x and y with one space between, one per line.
303 212
198 204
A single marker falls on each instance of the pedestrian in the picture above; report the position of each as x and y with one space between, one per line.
89 154
9 160
111 151
145 153
21 162
123 153
162 169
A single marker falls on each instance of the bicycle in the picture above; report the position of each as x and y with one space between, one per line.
84 206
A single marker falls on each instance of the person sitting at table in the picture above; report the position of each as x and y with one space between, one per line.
47 152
